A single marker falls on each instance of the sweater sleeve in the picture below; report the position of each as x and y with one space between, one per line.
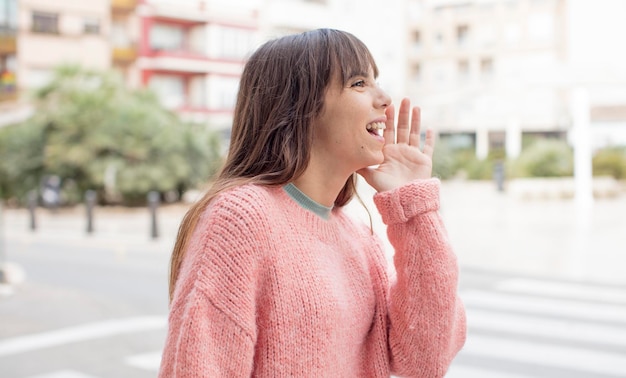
212 330
427 324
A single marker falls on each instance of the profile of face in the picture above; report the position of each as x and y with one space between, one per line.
347 134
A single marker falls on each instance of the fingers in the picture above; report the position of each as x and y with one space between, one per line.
408 128
390 132
402 132
429 144
414 134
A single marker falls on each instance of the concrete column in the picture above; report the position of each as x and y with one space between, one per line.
583 182
582 148
513 139
482 143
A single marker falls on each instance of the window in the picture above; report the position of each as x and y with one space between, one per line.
47 23
416 41
91 26
223 92
166 37
8 15
169 89
416 73
486 68
463 70
119 35
236 43
439 40
462 35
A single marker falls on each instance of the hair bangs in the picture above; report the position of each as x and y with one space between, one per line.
350 57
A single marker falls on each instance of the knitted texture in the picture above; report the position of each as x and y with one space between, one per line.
269 289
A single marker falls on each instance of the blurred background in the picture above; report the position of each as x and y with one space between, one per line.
114 114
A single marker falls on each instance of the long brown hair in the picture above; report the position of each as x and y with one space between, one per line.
281 90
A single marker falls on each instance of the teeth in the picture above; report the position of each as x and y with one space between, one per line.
375 126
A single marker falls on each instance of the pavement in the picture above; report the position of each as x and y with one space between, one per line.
490 230
532 270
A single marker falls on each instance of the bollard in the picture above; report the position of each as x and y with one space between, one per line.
498 175
90 202
32 206
153 203
3 258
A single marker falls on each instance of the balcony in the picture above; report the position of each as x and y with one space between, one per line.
124 55
8 41
8 89
8 96
123 6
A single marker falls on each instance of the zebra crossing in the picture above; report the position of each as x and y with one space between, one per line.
146 362
517 328
533 328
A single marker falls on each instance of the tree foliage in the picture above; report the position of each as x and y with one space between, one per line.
545 158
94 133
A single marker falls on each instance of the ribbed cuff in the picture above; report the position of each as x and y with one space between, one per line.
403 203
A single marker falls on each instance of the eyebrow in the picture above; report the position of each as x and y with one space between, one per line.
357 74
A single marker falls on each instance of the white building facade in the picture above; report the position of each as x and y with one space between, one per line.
496 70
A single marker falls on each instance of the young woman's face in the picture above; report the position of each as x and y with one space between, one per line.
348 131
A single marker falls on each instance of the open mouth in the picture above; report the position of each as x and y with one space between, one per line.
375 128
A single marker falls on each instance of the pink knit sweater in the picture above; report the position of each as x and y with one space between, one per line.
270 289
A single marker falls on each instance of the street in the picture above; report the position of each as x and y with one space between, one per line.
545 293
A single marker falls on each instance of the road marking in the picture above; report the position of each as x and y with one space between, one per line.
571 290
146 361
459 371
545 306
558 329
529 352
83 332
63 374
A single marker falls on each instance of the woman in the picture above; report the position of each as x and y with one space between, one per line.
269 277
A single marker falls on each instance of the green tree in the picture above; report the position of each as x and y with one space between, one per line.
610 161
94 133
545 158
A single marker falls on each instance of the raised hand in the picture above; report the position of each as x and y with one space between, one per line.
404 159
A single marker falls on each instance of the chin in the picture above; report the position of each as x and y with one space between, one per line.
376 160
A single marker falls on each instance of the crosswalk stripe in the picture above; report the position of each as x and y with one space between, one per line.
82 332
146 361
561 329
62 374
545 306
461 371
529 352
569 290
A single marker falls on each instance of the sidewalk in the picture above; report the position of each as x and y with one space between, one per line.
545 237
130 227
488 229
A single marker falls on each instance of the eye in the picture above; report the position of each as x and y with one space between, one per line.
358 83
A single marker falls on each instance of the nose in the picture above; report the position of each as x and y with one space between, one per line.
383 100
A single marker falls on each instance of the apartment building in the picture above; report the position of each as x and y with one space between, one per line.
489 72
38 35
51 33
381 27
8 50
189 52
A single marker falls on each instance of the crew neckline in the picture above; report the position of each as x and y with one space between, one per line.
306 202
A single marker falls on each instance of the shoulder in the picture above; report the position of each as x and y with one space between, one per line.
246 203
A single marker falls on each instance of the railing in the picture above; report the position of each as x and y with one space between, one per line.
8 96
124 54
123 5
8 40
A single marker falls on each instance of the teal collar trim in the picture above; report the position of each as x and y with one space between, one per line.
306 202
